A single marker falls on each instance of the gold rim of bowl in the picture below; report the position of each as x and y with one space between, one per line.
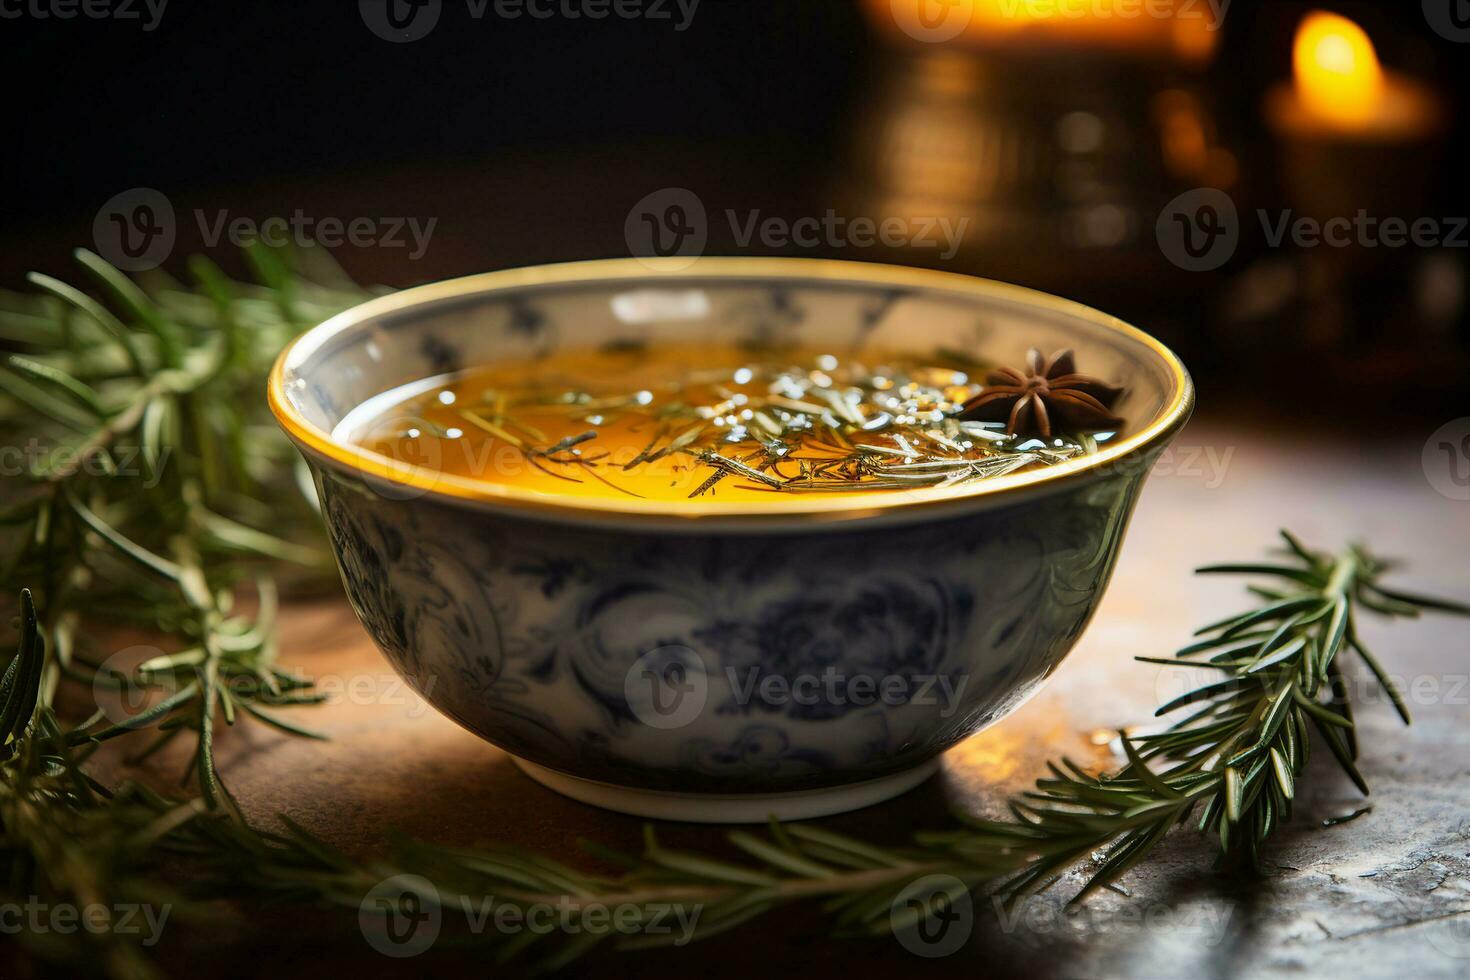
704 514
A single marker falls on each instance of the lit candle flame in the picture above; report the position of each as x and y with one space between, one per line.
1337 72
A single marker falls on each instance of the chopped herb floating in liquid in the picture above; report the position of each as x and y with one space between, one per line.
713 424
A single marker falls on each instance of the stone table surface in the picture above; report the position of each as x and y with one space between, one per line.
1386 894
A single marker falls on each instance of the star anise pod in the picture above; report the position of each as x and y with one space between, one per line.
1048 396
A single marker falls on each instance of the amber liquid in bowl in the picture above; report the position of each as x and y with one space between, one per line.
686 422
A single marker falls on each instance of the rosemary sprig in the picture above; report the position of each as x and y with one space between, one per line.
824 426
154 519
1230 767
148 461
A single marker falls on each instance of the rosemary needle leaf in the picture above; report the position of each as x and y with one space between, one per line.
1233 798
283 725
41 401
1208 692
142 719
133 301
1287 652
1420 601
699 868
179 373
97 312
78 390
1304 576
123 544
1139 768
1283 773
1384 680
773 855
1340 751
1300 550
840 842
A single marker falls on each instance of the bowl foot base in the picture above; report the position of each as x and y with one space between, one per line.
731 807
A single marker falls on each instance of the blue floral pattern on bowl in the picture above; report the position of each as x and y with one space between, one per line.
715 656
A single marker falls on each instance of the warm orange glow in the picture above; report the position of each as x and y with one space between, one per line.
1188 137
1338 77
1175 28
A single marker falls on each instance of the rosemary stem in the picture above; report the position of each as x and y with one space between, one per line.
121 422
87 535
786 888
1344 576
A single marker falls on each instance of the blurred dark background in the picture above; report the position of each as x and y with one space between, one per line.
1076 146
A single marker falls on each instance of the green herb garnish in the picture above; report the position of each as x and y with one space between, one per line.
823 427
